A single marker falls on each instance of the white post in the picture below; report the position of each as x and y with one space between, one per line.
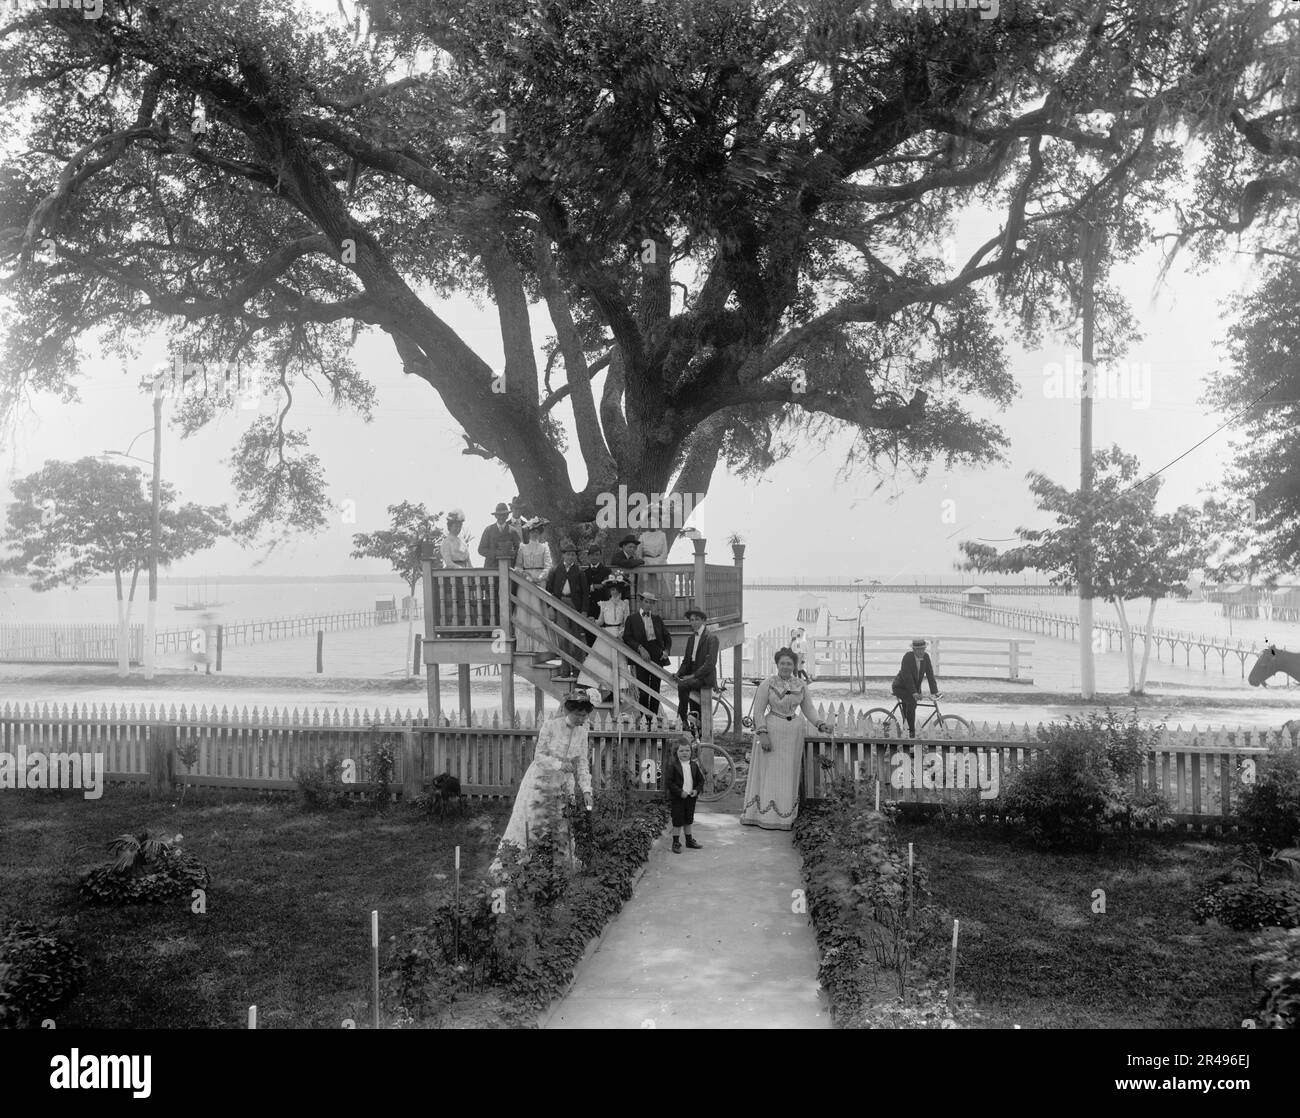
374 958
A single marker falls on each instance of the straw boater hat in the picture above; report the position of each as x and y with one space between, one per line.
919 642
646 596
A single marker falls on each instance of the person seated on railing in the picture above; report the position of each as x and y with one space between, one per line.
907 684
454 550
799 646
698 668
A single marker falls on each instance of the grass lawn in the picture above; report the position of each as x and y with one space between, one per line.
288 913
1033 953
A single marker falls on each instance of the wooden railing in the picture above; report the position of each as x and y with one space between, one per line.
841 658
1064 627
464 601
39 642
1201 772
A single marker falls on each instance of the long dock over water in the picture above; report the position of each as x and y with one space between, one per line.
848 586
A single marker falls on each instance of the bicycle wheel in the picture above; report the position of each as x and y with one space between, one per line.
724 779
955 722
887 719
721 715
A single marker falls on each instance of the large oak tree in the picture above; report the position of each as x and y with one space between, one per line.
732 212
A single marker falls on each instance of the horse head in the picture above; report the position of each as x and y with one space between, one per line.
1267 665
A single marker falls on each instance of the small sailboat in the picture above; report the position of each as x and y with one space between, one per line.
201 602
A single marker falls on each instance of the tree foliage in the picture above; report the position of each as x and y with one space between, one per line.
72 521
1135 551
400 545
733 212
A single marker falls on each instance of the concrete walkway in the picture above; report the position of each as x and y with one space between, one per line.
708 941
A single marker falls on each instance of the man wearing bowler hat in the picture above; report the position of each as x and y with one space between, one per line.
698 668
498 533
567 582
645 632
907 684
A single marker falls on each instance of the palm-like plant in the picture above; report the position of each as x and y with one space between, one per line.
135 852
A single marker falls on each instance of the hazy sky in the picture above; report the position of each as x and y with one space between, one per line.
800 518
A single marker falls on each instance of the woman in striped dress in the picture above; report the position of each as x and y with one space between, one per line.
782 709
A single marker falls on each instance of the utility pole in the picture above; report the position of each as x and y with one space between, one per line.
1091 242
151 618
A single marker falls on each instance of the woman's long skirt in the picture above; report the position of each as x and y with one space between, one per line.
528 623
772 788
538 808
597 670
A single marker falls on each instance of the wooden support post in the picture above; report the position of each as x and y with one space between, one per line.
738 652
221 640
466 696
508 631
412 767
320 651
698 595
162 761
416 654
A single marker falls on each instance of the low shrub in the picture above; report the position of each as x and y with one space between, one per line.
1246 905
381 764
41 972
522 934
148 868
1071 793
319 786
1269 809
1279 959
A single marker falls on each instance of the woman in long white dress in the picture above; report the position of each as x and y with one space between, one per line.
559 770
597 669
782 710
533 561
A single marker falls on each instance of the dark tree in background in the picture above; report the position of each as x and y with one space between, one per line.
733 212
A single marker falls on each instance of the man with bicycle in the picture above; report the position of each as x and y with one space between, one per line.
907 684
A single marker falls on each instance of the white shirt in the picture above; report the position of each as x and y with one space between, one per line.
688 782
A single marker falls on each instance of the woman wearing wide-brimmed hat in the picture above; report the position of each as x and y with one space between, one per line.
533 561
560 769
612 614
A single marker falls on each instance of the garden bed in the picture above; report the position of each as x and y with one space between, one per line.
287 922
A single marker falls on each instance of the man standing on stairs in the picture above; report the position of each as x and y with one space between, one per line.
646 634
698 668
626 559
567 582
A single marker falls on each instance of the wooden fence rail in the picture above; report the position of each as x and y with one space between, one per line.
841 658
264 750
1066 628
42 642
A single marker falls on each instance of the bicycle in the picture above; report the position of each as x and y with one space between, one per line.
892 717
724 713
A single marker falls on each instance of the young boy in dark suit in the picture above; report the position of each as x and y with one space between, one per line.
683 781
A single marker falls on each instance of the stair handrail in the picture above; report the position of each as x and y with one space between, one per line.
625 650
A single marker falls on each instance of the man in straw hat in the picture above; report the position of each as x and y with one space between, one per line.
907 684
497 534
644 632
698 668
